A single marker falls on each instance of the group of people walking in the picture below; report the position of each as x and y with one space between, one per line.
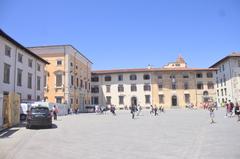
232 109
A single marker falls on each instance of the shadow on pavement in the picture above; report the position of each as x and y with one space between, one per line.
54 126
7 133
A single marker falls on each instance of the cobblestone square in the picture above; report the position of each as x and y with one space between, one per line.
177 134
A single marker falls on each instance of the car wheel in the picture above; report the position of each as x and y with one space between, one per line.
50 126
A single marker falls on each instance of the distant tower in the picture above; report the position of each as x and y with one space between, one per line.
180 63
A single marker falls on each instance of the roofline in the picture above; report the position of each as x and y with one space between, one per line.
150 70
6 36
225 58
63 45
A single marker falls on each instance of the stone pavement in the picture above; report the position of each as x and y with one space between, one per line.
177 134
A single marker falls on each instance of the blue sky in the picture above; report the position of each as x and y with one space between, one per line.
128 33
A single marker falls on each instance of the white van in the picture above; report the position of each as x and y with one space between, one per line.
24 107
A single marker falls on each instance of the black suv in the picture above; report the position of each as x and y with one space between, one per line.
39 116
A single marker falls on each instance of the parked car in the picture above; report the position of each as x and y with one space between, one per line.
39 116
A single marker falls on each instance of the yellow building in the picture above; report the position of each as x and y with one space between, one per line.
177 85
67 78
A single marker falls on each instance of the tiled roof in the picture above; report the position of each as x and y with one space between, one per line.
234 54
150 70
6 36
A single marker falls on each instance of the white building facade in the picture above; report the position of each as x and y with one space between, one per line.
21 71
122 88
227 79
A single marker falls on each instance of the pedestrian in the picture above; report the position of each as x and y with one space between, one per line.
155 110
112 109
237 111
139 108
211 111
133 109
231 108
151 109
227 108
55 111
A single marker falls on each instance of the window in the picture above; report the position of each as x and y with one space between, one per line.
108 98
38 83
209 75
147 99
77 82
133 77
76 101
29 97
45 81
121 100
210 85
30 61
146 77
59 80
7 51
172 76
108 88
217 82
95 89
19 77
199 75
76 67
29 80
6 73
58 99
187 98
199 85
217 92
59 62
185 76
133 88
159 76
222 92
160 86
20 57
86 85
225 91
108 78
120 77
185 85
161 99
95 79
38 98
95 100
147 87
221 82
238 63
223 67
224 80
71 64
71 100
38 67
120 88
220 69
81 83
72 80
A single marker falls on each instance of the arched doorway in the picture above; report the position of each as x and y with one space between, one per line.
134 101
174 100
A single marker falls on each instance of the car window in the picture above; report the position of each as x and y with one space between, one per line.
40 110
